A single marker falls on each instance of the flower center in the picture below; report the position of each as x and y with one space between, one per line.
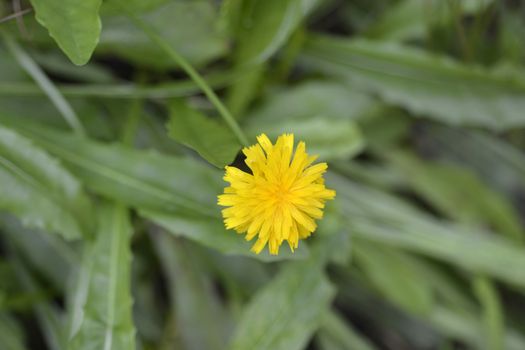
281 194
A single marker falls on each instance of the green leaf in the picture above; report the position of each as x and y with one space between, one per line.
11 333
267 24
243 90
287 311
395 274
320 113
47 254
424 83
144 179
114 7
74 24
336 334
37 189
212 140
500 164
202 320
384 219
48 315
468 327
411 19
490 300
173 20
211 233
406 19
104 320
10 69
460 194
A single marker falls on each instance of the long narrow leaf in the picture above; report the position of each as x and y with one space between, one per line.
37 189
284 315
105 320
426 84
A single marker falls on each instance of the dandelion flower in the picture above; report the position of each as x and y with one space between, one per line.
282 197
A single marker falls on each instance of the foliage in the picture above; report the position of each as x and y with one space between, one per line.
114 136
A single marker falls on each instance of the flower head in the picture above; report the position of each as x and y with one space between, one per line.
282 197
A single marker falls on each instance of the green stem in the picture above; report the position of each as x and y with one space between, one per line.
133 117
132 122
124 91
27 63
186 66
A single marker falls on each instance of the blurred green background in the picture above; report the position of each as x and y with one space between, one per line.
111 157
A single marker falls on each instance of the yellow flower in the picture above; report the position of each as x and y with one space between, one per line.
282 197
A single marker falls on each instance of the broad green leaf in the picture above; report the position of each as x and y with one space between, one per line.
210 232
74 24
270 24
189 26
460 195
37 189
11 333
336 334
202 321
384 219
105 319
211 139
427 84
395 275
320 113
144 179
287 311
180 194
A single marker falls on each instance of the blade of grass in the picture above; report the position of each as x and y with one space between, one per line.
188 68
27 63
492 317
